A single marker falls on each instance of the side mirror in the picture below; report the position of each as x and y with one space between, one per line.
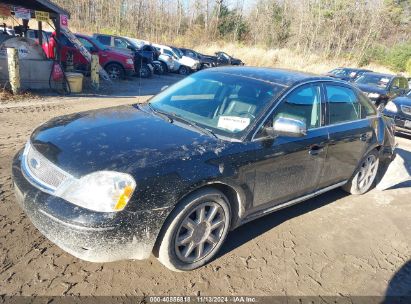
289 127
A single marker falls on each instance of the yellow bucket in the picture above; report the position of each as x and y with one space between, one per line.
75 81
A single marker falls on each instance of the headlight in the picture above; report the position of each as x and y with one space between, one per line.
130 61
391 107
373 95
102 191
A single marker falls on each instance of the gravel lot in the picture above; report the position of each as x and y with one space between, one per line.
334 244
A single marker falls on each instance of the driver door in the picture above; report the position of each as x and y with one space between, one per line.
290 167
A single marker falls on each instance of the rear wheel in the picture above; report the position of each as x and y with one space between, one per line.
364 177
195 231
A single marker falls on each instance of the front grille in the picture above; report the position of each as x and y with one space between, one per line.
42 171
406 109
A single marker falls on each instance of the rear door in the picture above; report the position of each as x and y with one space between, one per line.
351 132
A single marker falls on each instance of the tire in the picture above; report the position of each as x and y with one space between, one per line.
158 69
165 67
115 71
365 175
183 70
201 242
145 71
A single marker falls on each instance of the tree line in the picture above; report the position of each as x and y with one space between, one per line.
359 29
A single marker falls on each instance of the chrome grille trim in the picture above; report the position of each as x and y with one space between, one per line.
406 109
41 172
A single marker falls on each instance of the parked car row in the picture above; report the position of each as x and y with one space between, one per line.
389 93
126 56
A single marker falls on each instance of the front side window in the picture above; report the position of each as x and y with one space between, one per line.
403 83
303 104
343 104
225 104
395 83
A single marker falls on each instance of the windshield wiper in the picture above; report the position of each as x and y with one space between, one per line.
195 125
161 114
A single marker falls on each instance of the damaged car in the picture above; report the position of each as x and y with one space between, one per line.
218 149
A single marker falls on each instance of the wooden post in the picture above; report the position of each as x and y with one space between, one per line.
40 32
14 69
95 78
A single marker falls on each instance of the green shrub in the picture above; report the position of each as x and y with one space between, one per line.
396 57
408 67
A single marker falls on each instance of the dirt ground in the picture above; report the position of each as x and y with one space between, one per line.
334 244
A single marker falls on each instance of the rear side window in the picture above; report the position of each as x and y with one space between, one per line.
367 109
343 104
106 40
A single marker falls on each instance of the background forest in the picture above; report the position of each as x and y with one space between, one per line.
265 32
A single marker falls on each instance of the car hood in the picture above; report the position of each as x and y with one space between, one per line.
187 61
119 139
406 101
371 89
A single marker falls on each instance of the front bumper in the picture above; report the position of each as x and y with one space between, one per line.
88 235
402 122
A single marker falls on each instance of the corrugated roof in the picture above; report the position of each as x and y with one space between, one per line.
38 5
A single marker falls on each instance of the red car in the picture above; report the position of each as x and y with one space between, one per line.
118 65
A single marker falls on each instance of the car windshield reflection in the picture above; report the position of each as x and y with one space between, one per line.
225 104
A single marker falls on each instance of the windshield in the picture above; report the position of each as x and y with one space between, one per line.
223 103
135 42
374 80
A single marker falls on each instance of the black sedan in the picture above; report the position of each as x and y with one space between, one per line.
205 61
380 88
218 149
347 74
225 59
400 110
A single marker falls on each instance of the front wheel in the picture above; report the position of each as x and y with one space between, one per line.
184 70
145 71
364 177
165 67
195 231
115 71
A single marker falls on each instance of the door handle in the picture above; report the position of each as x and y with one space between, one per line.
315 150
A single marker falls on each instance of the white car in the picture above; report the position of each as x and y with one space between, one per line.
187 64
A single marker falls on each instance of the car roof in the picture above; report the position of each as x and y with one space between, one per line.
283 77
352 69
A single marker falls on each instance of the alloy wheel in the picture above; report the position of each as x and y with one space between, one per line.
200 232
114 72
367 172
